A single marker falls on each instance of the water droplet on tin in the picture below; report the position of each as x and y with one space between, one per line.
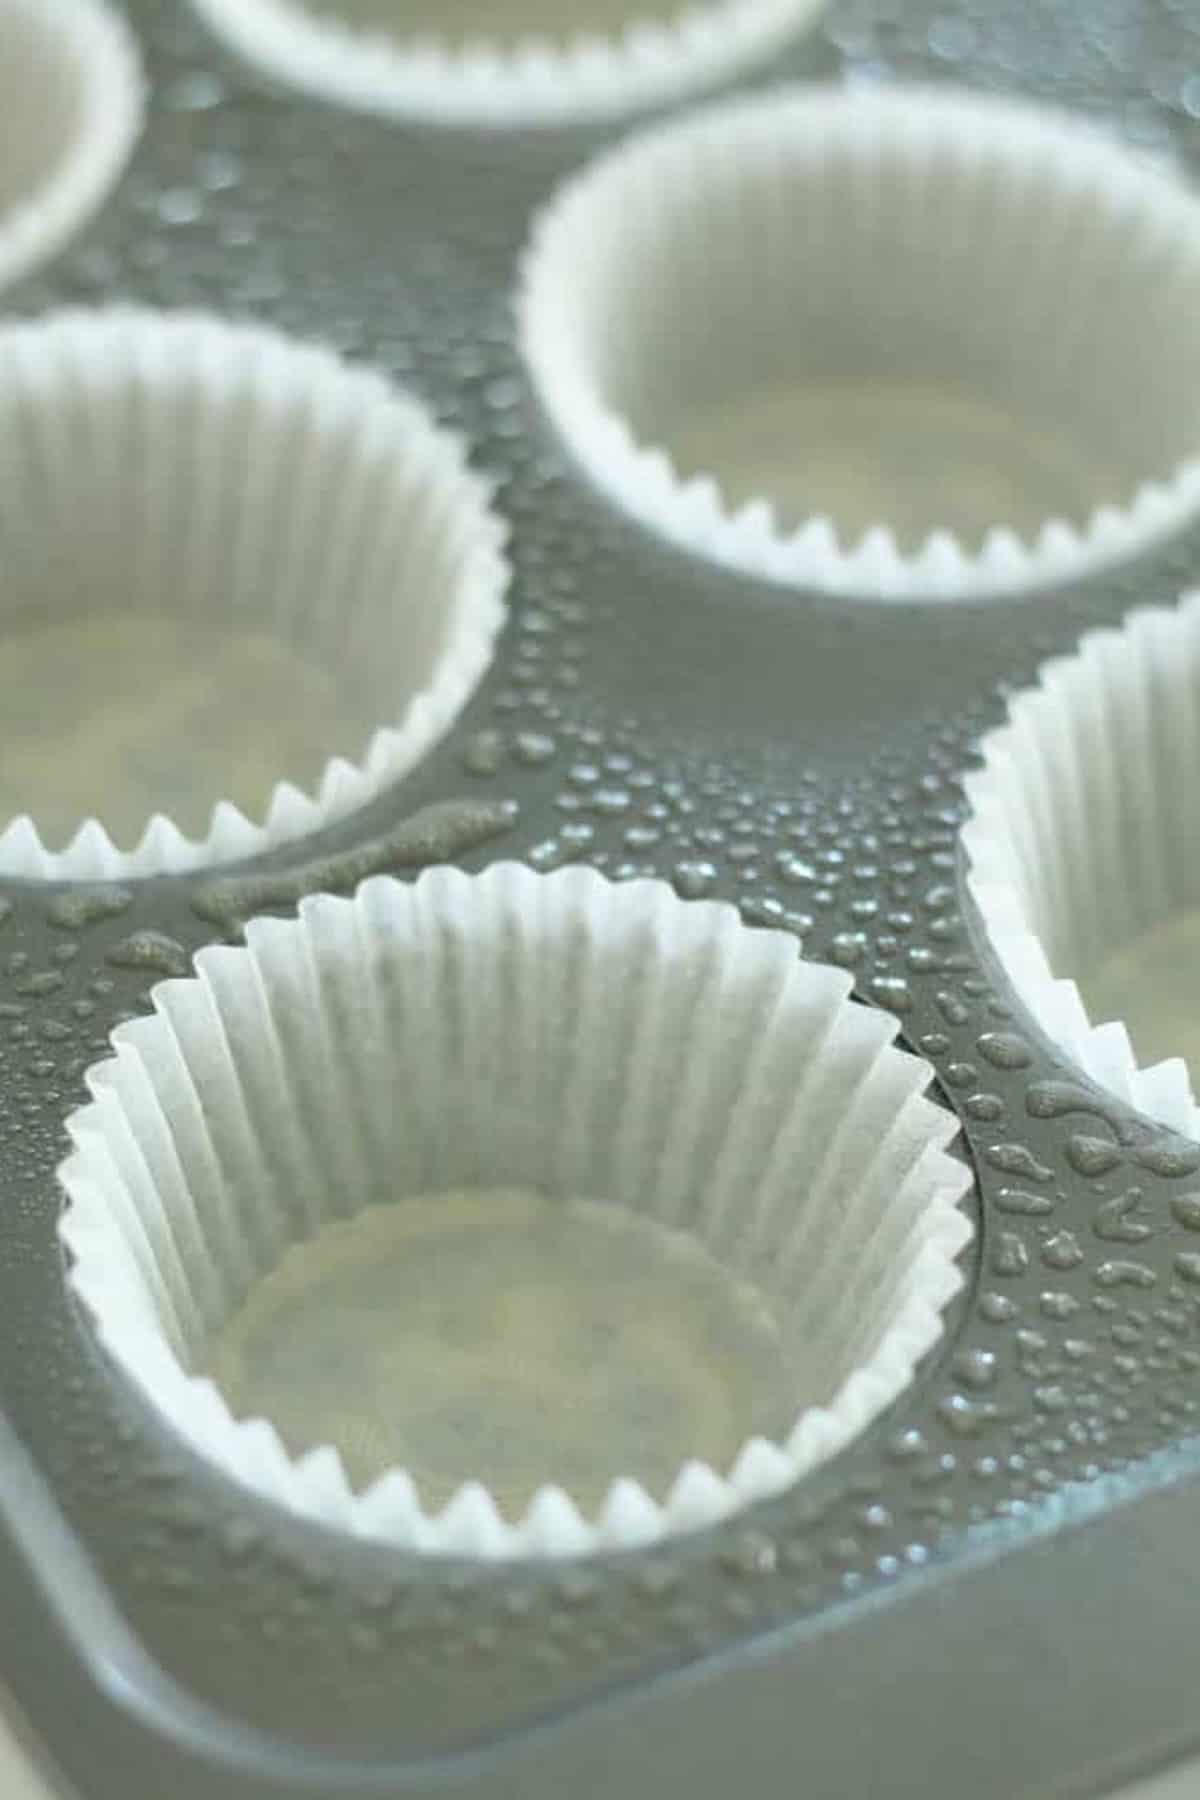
892 992
557 852
41 983
987 1108
693 880
610 802
998 1309
1062 1251
1055 1099
1092 1156
218 171
1058 1305
1123 1273
965 1418
533 748
1016 1159
179 206
80 907
794 869
1186 1208
1021 1202
976 1369
1168 1160
152 951
906 1445
1117 1222
1009 1255
1005 1050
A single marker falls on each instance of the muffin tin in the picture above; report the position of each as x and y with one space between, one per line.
960 1592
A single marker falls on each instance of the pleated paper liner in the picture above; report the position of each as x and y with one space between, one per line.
279 585
514 1215
903 345
71 103
504 63
1083 855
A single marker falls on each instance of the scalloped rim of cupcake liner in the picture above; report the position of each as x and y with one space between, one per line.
1162 1091
484 84
691 512
98 43
471 1524
392 750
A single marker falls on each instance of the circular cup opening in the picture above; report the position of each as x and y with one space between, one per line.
412 1215
1084 857
512 63
905 345
71 102
280 585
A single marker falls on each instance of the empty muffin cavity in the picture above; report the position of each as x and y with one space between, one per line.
904 345
280 584
514 1214
503 63
1084 857
71 103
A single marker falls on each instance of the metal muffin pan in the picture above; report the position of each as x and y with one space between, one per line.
992 1585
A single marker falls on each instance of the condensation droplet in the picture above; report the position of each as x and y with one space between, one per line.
1016 1159
998 1309
1005 1050
1062 1252
1092 1156
987 1108
1186 1208
976 1369
1171 1161
1124 1274
1116 1222
1023 1203
1009 1255
693 880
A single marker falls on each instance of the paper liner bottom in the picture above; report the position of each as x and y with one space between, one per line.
509 1338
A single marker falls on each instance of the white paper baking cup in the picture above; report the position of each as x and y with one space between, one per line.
599 1047
504 63
172 478
1083 857
71 100
895 345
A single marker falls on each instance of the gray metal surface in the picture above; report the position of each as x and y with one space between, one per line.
993 1591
